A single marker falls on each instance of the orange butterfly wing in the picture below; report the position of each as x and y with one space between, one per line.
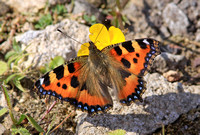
136 56
63 82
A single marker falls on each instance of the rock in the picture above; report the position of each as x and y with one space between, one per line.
167 61
81 6
172 76
54 2
176 19
24 6
3 8
172 49
198 36
196 62
48 43
3 102
2 129
96 3
163 103
165 31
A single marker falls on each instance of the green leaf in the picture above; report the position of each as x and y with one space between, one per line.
44 21
9 54
8 103
22 117
3 67
10 77
3 111
16 46
60 9
44 69
93 18
20 57
21 131
35 125
18 85
12 58
57 61
31 120
86 18
89 19
117 132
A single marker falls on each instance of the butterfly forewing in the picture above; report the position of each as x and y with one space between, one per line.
136 57
66 83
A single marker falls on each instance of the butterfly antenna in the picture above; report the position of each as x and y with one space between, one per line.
68 36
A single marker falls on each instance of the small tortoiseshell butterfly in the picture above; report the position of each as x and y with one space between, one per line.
84 81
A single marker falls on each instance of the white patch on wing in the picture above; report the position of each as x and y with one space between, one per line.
41 81
146 42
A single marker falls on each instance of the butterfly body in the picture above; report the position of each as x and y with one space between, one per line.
84 81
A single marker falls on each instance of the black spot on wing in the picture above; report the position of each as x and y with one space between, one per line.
46 79
84 87
118 50
71 67
134 60
128 46
59 71
141 43
137 54
126 63
58 84
64 86
74 82
124 73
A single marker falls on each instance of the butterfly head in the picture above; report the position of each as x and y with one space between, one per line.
92 46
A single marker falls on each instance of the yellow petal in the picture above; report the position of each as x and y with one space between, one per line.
84 50
100 36
116 35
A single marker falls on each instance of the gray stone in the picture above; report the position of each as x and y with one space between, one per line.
163 103
167 61
3 102
165 31
54 2
197 38
3 8
81 6
24 6
2 129
175 19
48 43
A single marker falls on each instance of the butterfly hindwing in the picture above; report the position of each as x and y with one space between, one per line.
133 88
65 83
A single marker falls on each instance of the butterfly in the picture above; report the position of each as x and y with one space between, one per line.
85 80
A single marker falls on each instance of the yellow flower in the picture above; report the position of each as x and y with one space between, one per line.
102 37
